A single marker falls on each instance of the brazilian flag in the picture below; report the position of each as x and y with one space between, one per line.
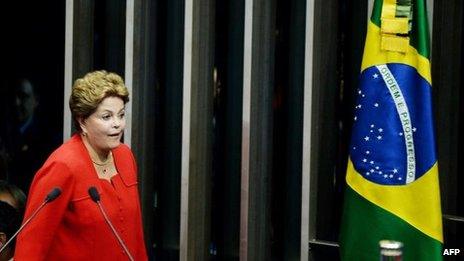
392 175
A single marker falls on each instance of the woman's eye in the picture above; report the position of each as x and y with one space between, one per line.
121 115
106 117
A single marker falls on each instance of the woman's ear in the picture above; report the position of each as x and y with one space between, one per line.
82 124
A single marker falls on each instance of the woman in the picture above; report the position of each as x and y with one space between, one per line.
72 227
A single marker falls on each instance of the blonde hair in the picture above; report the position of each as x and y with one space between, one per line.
89 91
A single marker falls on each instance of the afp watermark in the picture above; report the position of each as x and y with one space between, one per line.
451 251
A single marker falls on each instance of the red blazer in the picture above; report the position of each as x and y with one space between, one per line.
72 226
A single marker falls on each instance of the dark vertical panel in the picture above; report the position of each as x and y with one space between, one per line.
460 194
353 29
447 67
83 35
340 29
460 178
326 93
225 219
287 108
169 38
169 195
446 49
280 108
109 35
143 109
325 118
201 131
231 221
293 134
261 123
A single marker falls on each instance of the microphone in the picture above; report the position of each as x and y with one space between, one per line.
93 192
56 192
52 195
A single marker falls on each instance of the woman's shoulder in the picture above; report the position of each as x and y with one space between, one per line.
125 163
123 152
71 153
70 161
123 148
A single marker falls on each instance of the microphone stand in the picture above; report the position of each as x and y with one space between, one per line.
114 231
95 196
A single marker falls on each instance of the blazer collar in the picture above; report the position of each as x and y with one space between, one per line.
124 163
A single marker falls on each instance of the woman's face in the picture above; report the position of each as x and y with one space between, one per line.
103 129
